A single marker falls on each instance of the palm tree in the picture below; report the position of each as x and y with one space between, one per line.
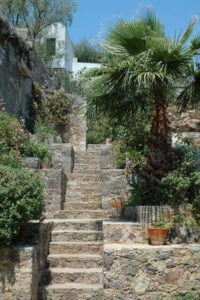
147 69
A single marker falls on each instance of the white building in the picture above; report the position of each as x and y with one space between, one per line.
79 67
60 51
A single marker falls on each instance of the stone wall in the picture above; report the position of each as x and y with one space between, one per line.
54 190
115 188
21 267
144 272
20 66
62 156
122 232
77 132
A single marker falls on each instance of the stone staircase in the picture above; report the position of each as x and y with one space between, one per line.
75 266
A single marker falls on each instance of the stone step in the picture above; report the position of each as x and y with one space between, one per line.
63 275
75 247
75 261
87 161
87 171
82 214
79 235
83 177
93 148
82 205
78 197
84 184
85 189
78 224
73 291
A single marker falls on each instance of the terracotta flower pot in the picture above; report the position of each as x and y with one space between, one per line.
44 166
158 235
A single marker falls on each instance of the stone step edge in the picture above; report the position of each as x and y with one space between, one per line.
74 270
56 220
82 210
78 255
74 286
76 231
79 243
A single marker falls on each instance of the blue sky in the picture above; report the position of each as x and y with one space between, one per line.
94 16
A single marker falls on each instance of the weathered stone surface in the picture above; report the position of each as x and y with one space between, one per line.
122 232
20 67
54 189
21 268
31 162
186 121
151 272
62 156
77 132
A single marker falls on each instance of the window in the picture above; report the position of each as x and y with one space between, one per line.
51 47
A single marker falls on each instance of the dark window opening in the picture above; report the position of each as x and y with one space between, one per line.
50 47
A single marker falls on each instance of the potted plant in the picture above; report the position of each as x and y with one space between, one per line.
45 161
118 207
158 232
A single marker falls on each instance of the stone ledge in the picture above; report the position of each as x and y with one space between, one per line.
133 246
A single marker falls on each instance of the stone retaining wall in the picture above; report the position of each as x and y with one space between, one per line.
144 272
122 232
54 189
21 267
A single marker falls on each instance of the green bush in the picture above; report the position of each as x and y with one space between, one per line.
11 133
11 158
179 187
182 186
36 149
43 131
21 200
59 107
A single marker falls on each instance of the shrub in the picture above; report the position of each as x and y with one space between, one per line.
59 107
11 158
21 200
179 187
43 131
11 133
35 149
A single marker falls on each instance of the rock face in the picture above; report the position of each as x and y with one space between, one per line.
188 121
20 66
145 272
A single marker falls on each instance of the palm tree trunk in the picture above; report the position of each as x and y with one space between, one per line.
160 160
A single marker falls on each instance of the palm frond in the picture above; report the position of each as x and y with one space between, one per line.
188 31
190 94
151 20
195 44
127 37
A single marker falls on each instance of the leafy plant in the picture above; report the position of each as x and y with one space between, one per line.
59 108
21 200
11 158
43 131
182 186
162 224
86 52
35 149
11 133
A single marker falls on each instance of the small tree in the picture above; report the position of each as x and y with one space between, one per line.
86 52
147 68
37 14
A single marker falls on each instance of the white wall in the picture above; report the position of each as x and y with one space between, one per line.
80 67
64 48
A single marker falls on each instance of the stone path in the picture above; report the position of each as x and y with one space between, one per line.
75 266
